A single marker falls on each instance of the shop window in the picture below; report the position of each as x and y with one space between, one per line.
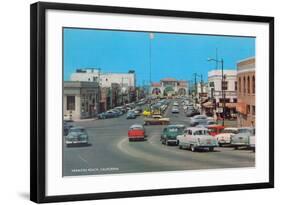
70 102
239 85
253 110
248 109
225 85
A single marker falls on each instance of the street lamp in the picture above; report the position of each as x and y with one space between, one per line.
222 87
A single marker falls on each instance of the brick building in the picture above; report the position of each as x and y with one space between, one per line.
246 106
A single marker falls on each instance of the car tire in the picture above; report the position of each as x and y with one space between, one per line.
236 148
211 149
220 144
180 147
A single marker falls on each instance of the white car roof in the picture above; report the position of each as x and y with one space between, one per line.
136 126
196 128
231 128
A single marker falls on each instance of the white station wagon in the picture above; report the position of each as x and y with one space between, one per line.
195 138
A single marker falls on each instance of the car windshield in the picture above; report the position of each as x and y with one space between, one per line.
80 130
230 131
136 128
200 132
173 129
245 131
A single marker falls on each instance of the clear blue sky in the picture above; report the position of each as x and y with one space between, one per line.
172 55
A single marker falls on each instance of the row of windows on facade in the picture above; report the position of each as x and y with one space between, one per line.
224 85
249 85
249 88
70 102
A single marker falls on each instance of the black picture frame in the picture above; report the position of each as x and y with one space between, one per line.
38 100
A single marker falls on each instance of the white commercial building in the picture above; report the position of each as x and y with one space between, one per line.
215 93
230 85
125 80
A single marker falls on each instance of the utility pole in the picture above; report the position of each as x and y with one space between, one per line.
122 91
222 92
195 84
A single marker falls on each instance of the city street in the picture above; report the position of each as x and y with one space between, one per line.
110 152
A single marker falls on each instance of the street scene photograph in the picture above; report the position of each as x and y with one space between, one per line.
137 102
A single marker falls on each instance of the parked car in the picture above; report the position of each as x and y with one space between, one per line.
117 111
242 139
136 132
175 109
67 118
107 114
146 113
170 133
131 115
137 112
192 112
66 128
194 138
224 138
253 142
76 135
198 120
215 129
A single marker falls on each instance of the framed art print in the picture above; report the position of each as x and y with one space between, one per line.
129 102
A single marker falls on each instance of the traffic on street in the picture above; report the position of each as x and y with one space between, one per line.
153 134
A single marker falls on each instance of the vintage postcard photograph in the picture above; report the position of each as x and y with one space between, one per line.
139 101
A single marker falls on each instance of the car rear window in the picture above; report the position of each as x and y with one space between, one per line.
200 132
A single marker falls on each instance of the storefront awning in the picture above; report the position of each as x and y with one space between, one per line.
241 107
208 105
229 105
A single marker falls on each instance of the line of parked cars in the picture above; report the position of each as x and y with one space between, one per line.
132 109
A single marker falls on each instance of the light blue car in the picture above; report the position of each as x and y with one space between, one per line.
242 139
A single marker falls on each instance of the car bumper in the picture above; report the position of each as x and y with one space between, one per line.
239 144
224 141
172 141
136 137
76 142
205 145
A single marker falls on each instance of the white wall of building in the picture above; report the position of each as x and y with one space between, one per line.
215 76
106 79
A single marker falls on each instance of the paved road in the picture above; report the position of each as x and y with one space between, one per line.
110 151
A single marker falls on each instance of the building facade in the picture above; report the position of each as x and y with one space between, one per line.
80 100
246 105
169 87
229 89
125 80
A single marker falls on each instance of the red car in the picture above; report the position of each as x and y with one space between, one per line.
215 129
136 132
